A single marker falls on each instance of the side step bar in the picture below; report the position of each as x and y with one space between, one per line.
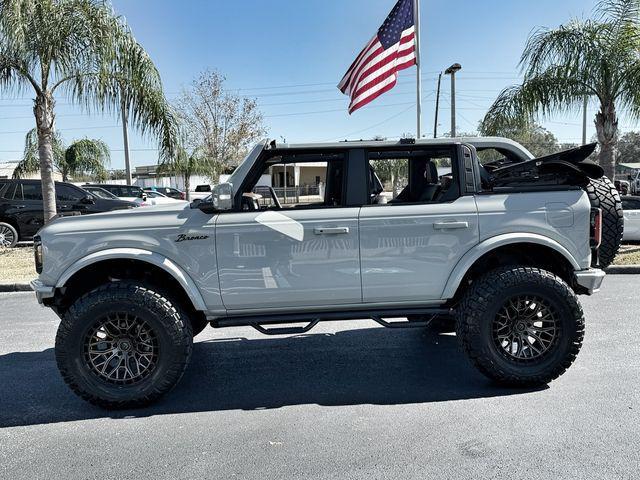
260 323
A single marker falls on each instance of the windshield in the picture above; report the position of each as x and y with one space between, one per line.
241 171
124 191
101 193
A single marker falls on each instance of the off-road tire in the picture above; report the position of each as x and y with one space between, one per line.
170 325
11 235
482 301
603 194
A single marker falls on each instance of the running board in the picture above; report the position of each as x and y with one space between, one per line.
262 322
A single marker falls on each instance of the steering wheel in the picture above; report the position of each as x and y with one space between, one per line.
275 198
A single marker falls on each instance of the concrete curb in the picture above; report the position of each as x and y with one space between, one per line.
623 270
15 287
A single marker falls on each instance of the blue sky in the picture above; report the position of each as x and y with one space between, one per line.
291 54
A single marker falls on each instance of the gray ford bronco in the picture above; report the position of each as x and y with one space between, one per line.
470 234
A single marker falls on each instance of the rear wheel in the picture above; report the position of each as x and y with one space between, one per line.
8 235
123 345
604 195
520 326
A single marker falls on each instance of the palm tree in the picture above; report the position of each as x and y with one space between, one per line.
185 164
81 49
595 58
83 158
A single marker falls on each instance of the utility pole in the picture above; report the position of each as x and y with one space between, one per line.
435 124
416 19
456 67
584 120
125 137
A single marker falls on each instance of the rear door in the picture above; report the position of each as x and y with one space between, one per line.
418 223
303 253
27 207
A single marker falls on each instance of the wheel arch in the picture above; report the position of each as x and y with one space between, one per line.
117 260
527 249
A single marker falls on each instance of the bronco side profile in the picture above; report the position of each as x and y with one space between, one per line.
399 232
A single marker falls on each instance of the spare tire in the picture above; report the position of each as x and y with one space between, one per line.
603 195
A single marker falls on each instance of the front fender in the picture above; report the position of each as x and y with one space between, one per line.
467 261
153 258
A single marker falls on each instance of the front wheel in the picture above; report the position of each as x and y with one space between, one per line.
123 345
520 326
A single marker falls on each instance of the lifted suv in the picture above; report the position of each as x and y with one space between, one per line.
306 233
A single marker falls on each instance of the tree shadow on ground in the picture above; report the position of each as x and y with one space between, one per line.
366 366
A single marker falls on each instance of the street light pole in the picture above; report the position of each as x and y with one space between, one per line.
452 71
435 124
584 120
125 137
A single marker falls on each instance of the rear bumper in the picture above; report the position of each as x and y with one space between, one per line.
590 279
42 291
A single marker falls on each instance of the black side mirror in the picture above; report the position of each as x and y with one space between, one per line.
87 200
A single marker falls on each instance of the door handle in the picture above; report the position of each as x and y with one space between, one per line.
450 225
330 230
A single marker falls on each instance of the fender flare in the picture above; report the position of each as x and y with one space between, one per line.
469 258
185 281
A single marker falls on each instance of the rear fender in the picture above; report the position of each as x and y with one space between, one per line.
467 261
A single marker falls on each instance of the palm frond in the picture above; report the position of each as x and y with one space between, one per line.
87 158
30 162
548 93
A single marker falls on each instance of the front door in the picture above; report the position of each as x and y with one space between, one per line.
270 259
297 248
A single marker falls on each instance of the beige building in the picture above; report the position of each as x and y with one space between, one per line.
311 174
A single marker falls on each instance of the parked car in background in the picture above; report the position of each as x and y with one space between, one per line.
100 192
201 191
21 208
167 191
631 208
157 198
130 193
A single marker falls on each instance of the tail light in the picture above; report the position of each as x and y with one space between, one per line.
595 234
183 196
38 253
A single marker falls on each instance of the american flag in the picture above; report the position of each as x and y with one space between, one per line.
375 70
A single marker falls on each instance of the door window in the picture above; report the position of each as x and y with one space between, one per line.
65 193
416 176
316 181
29 191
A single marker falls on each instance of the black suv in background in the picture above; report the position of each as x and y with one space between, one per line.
21 207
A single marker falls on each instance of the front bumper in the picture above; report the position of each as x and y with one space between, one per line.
42 291
590 279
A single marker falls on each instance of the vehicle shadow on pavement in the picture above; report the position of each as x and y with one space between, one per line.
364 366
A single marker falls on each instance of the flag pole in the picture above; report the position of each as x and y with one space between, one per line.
416 18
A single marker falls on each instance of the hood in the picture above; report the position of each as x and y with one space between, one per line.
167 215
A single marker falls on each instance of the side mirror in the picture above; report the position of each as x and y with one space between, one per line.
220 200
87 200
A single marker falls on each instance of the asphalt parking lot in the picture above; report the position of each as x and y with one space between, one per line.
349 400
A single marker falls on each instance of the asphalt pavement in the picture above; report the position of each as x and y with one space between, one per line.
348 400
